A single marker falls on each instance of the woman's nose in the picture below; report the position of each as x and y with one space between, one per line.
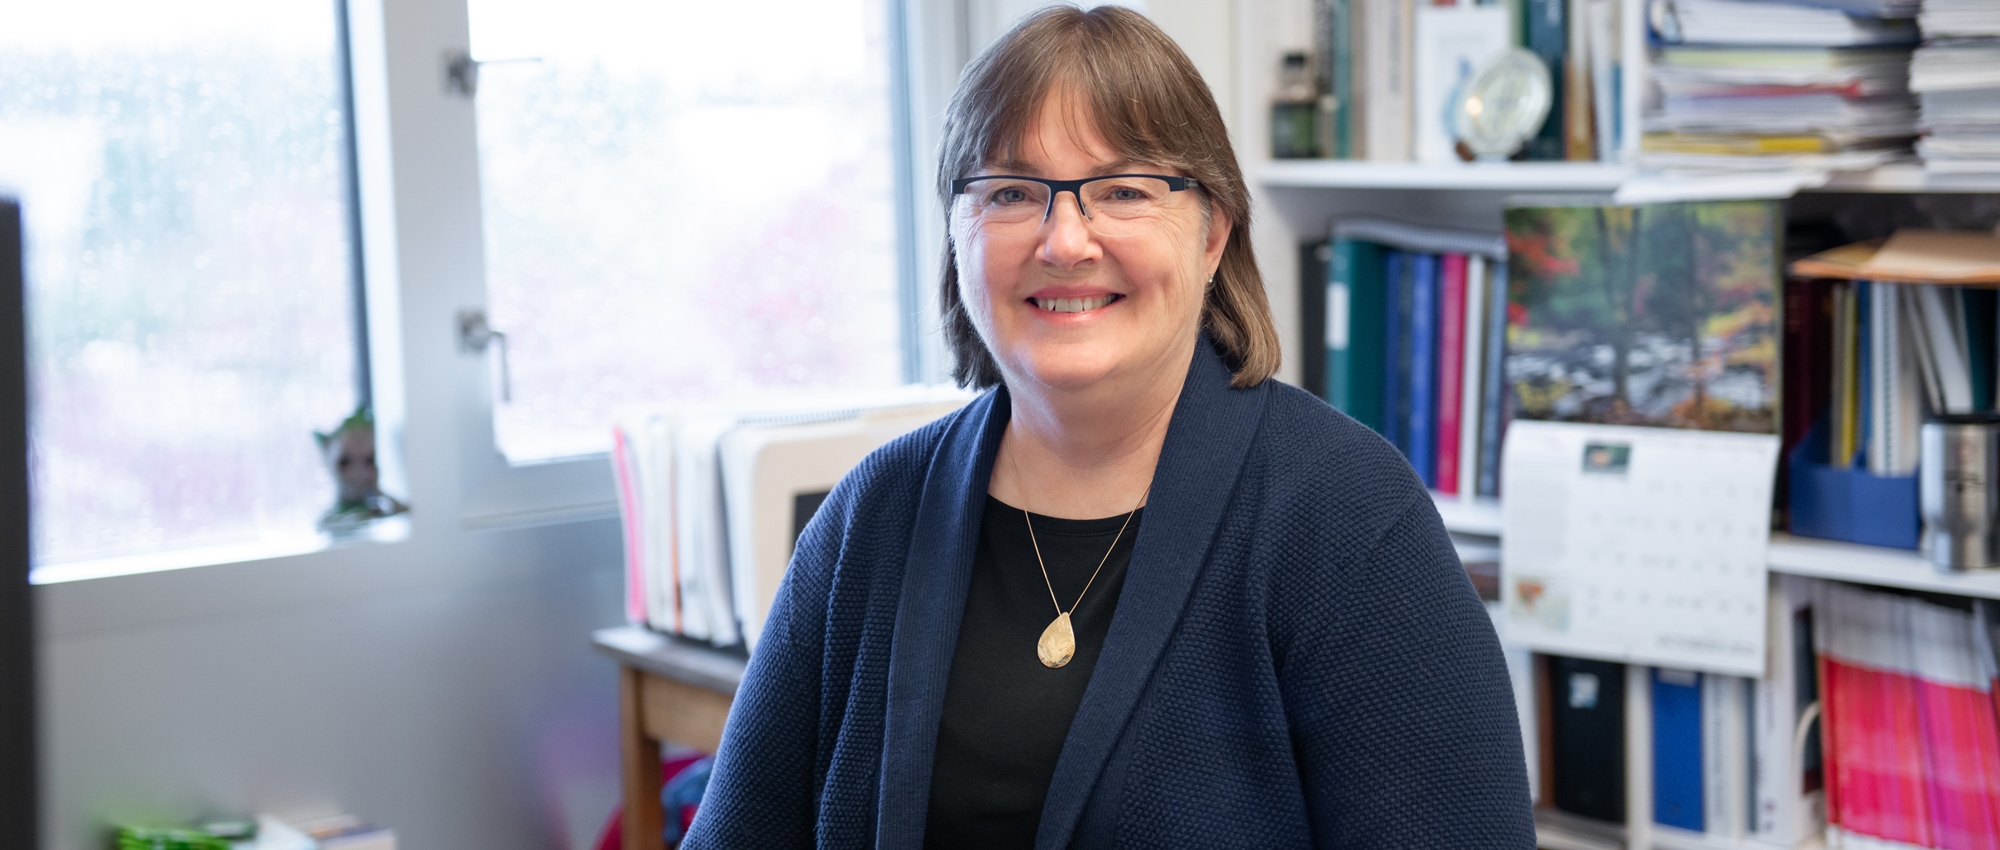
1067 239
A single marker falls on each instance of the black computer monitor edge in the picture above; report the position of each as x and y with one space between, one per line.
19 799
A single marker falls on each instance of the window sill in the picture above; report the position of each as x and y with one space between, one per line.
389 530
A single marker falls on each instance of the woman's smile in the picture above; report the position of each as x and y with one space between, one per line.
1074 305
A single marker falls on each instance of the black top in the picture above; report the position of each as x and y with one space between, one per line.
1005 715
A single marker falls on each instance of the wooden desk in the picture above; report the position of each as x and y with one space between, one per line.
669 690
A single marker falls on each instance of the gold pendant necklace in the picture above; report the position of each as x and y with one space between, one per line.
1058 643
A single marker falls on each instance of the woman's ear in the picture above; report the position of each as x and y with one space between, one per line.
1220 224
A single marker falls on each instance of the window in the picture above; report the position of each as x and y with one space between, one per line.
684 200
190 283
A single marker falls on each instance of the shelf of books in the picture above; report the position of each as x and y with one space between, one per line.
1848 95
1873 723
1681 316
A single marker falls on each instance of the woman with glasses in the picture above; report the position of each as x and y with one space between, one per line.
1137 594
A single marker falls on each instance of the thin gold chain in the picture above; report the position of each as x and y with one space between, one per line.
1100 562
1016 464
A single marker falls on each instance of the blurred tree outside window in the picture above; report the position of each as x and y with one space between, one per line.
190 291
683 201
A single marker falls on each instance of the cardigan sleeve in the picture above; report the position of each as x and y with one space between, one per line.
761 793
1402 717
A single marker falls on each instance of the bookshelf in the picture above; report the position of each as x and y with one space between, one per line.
1298 198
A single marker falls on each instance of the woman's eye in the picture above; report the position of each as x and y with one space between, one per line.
1127 193
1010 195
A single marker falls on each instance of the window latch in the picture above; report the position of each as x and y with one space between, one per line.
475 336
461 71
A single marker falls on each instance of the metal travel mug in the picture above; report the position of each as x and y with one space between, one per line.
1958 473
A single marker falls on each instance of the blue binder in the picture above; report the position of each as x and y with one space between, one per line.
1677 797
1395 348
1424 307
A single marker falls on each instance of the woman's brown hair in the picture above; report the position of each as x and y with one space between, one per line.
1150 105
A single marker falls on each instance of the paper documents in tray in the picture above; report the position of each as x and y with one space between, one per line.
714 495
1773 24
1643 545
1912 256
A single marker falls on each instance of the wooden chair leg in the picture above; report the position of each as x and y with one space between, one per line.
644 818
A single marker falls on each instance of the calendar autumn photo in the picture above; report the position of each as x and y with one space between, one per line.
1662 315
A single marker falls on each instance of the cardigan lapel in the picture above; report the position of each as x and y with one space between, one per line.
1207 442
937 574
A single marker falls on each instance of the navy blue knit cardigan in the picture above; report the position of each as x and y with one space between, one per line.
1297 658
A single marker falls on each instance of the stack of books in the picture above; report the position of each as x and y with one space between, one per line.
1757 85
1957 77
1909 732
1413 322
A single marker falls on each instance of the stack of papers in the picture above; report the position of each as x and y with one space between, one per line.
1761 107
1757 22
1911 256
1958 85
1960 18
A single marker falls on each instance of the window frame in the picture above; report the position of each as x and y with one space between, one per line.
927 39
417 240
360 295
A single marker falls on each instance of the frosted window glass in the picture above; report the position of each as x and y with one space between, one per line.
683 200
188 279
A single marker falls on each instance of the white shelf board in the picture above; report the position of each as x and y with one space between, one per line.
1567 177
1908 178
1468 516
1490 177
1559 830
1799 556
1556 830
1806 556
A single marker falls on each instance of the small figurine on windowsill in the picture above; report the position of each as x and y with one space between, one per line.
350 455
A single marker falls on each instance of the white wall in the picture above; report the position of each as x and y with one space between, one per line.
446 691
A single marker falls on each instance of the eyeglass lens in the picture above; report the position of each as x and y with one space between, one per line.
1111 206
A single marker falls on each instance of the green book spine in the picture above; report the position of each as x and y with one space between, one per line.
1354 300
1979 327
1342 39
1547 34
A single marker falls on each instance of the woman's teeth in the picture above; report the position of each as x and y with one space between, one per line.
1074 305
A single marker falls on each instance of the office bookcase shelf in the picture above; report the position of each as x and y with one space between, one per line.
1468 515
1556 830
1908 177
1791 555
1904 568
1573 177
1497 177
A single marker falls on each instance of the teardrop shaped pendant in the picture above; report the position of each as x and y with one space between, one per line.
1058 643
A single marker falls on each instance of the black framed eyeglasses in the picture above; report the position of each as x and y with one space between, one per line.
1113 204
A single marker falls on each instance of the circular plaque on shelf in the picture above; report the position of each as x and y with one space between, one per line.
1503 104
